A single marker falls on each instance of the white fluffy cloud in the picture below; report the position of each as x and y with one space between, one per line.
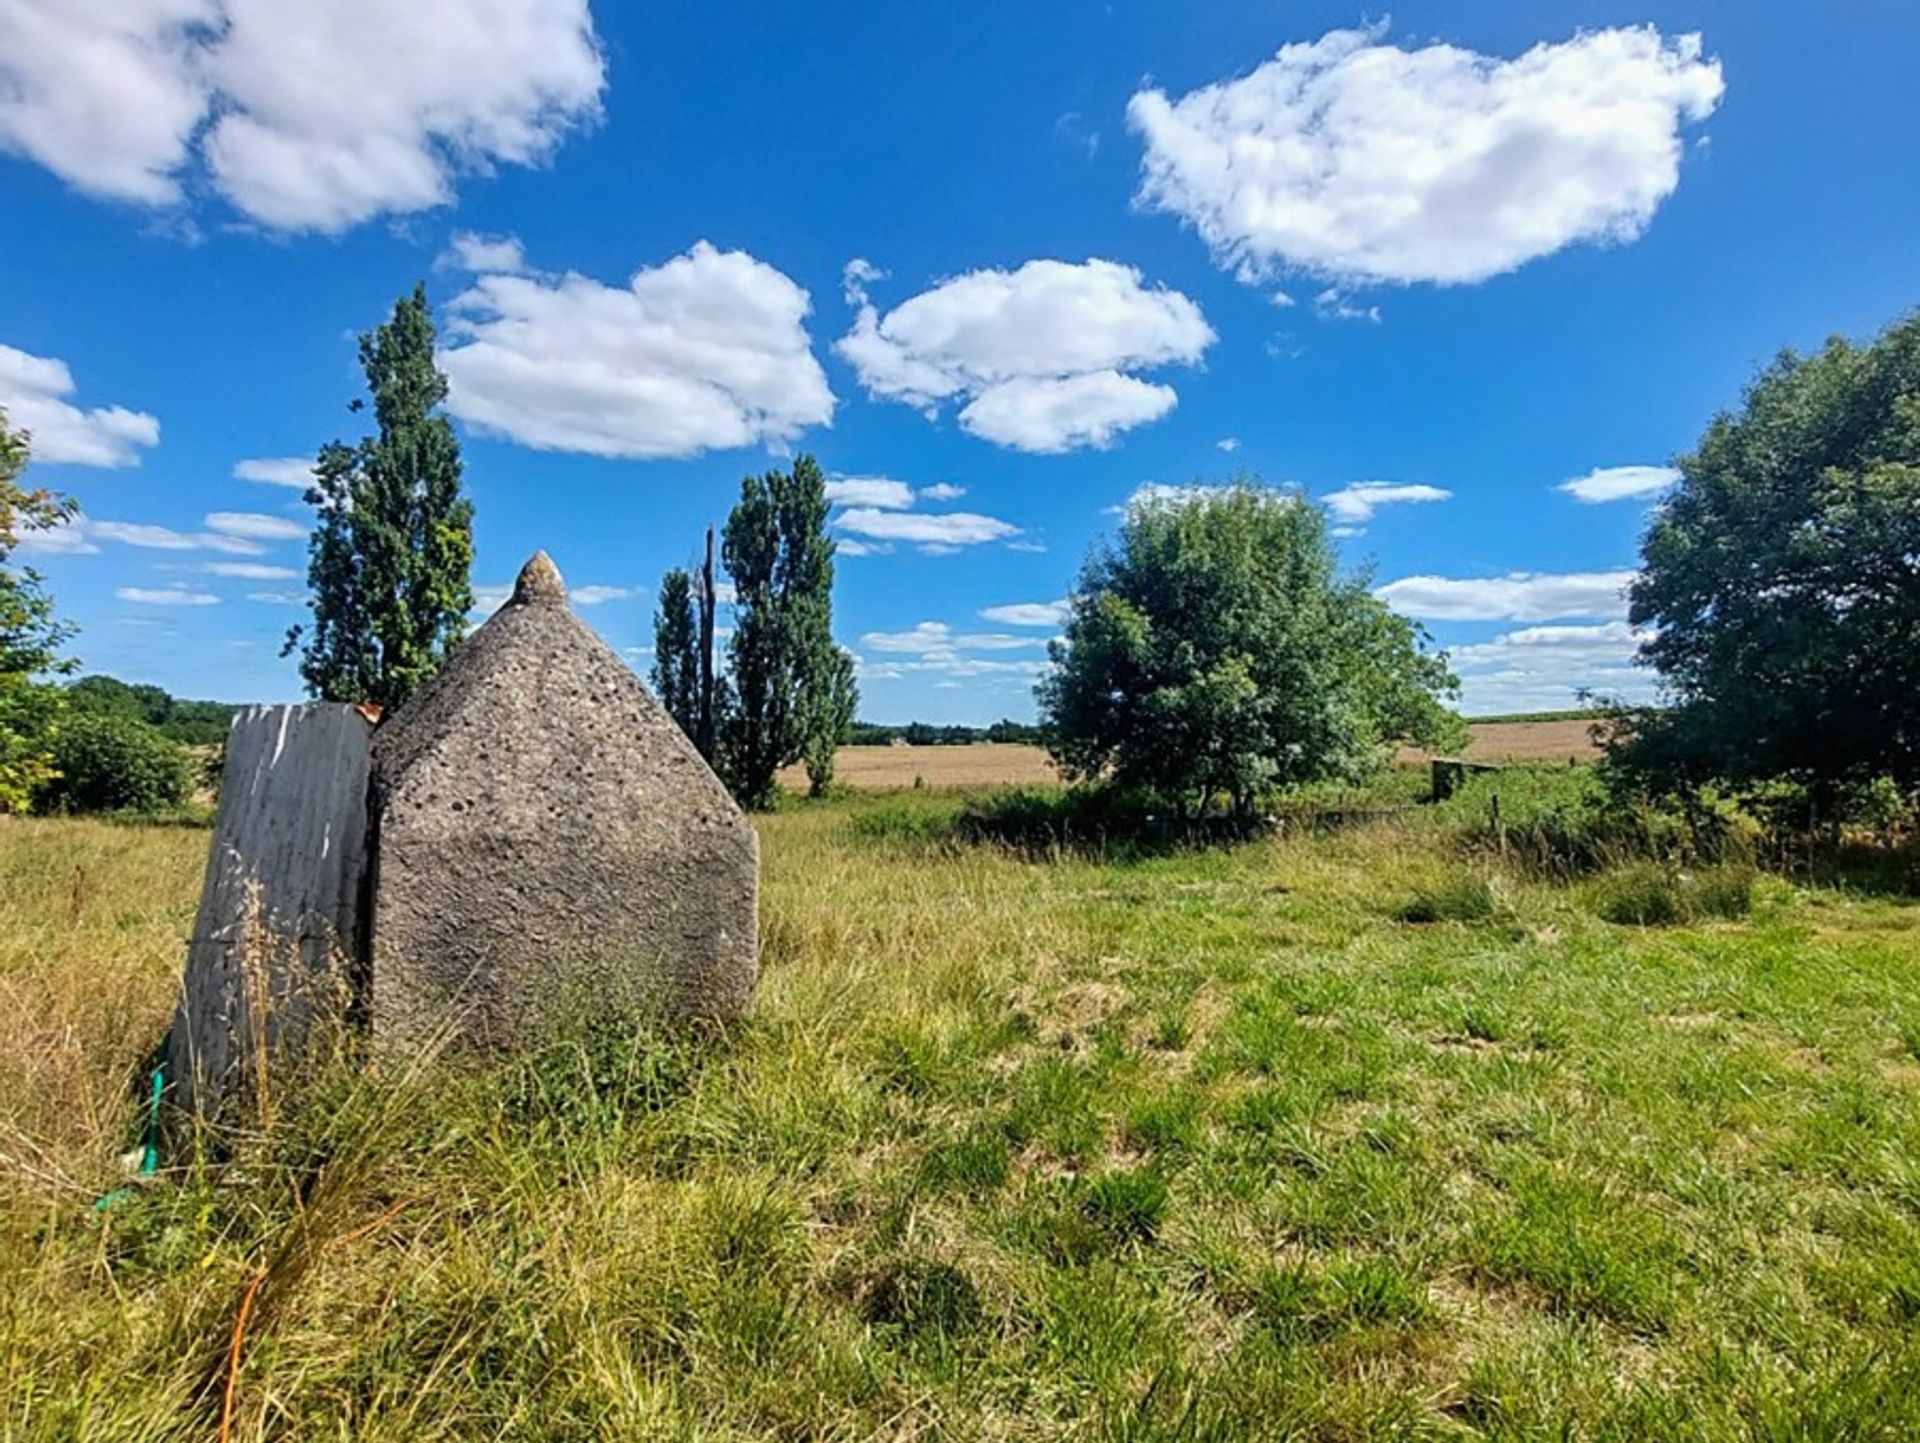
706 351
935 636
251 571
294 471
253 526
1517 596
880 491
1356 504
941 530
1619 483
596 595
82 535
934 648
304 116
1354 160
166 596
1027 613
1541 668
1042 355
34 392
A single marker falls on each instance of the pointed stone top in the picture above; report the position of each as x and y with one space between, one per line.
540 583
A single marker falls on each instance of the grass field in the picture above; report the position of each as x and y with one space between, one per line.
1215 1145
988 764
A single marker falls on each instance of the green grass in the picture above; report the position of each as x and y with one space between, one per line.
1337 1134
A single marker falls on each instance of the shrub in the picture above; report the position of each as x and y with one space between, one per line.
1582 819
115 764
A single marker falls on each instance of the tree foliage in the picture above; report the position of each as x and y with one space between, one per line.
1215 648
1781 581
829 719
31 634
196 723
788 685
676 651
389 560
109 763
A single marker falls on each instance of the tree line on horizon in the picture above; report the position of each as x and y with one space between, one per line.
1214 648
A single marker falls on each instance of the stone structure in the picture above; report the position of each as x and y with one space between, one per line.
278 938
545 835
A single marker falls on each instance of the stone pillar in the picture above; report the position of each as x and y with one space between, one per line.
279 943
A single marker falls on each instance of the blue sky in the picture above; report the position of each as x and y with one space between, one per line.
1480 251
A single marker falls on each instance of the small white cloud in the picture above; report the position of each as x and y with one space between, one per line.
1356 504
1619 483
253 526
1027 613
481 254
166 596
277 598
942 491
947 528
250 571
707 351
1229 444
165 538
1517 596
68 538
850 546
879 491
596 595
1036 548
935 648
1042 356
34 392
291 471
1332 304
1353 160
856 276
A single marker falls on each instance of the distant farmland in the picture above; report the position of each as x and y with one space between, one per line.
986 764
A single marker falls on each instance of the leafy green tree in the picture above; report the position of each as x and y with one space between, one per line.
31 635
109 763
1780 582
787 680
829 720
1215 648
676 651
389 562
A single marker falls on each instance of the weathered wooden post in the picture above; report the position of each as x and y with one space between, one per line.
280 933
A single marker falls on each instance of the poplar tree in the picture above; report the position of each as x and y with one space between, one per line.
392 547
789 682
676 654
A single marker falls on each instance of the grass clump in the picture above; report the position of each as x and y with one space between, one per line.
1457 897
1646 894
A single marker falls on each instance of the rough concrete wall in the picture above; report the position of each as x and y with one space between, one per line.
549 838
279 932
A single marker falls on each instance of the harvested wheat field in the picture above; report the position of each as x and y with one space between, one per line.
985 764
